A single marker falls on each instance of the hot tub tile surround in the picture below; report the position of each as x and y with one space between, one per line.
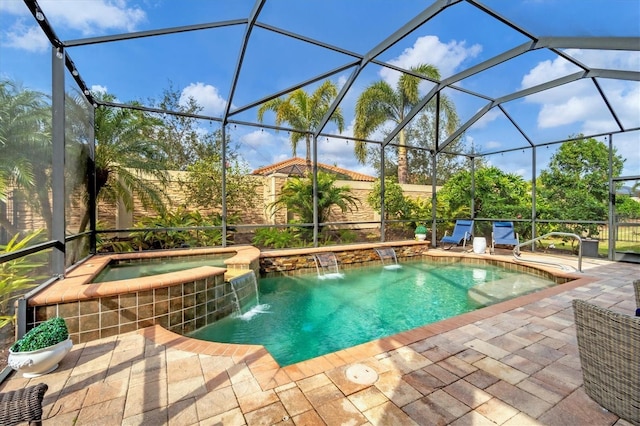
187 300
178 301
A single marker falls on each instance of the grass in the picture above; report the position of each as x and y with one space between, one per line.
603 246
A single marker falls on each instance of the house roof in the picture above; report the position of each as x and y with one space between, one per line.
297 167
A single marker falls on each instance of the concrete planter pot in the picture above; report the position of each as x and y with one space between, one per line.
41 361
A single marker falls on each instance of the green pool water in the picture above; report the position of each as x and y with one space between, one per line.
302 317
136 268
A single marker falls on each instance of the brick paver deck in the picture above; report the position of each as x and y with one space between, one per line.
515 363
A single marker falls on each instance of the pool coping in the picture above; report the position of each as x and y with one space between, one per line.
260 361
269 374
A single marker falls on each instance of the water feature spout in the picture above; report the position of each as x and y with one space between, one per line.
245 292
388 258
327 265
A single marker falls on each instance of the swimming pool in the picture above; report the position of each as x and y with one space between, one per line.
302 317
136 268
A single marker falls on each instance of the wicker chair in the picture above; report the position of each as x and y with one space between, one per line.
22 405
609 346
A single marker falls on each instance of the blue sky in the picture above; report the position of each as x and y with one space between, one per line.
201 64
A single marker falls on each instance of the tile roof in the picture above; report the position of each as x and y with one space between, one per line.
296 166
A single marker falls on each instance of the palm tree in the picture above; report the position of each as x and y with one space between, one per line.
304 113
379 103
296 197
126 155
25 147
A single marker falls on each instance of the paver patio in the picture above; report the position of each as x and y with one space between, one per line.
514 363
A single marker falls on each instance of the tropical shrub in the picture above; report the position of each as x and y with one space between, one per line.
149 239
575 185
297 198
277 238
16 276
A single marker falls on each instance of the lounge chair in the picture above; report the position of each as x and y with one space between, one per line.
608 344
503 233
462 232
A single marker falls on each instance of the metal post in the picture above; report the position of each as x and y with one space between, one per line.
534 211
613 230
382 189
91 185
434 199
434 174
473 187
223 187
315 190
57 174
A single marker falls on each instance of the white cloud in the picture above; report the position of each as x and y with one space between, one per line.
98 88
608 59
14 7
492 145
100 16
258 139
626 145
447 57
23 37
342 80
548 70
206 95
569 111
579 103
487 118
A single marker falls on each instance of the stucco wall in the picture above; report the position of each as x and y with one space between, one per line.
113 215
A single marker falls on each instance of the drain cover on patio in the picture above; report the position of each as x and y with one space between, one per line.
361 374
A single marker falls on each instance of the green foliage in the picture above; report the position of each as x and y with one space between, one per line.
45 334
304 112
179 134
175 238
420 208
114 244
17 276
127 154
497 194
396 205
329 237
627 207
277 238
380 103
203 186
25 149
421 229
575 186
347 236
297 197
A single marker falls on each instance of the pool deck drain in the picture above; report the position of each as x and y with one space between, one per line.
361 374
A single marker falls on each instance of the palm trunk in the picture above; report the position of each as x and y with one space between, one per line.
42 196
308 157
402 159
10 228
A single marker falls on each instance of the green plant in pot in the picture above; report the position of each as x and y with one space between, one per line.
421 232
40 350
